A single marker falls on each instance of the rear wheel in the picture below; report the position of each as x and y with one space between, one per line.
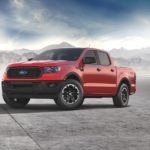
122 97
16 102
71 95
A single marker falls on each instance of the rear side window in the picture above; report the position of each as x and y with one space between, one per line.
104 59
91 53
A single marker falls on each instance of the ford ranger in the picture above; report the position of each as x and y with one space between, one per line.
68 75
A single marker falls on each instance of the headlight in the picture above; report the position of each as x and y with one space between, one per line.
51 69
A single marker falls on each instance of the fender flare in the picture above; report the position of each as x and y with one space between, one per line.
73 74
127 81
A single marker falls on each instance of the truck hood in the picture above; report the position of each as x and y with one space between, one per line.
42 63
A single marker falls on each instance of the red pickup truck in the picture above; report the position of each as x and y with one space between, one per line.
68 75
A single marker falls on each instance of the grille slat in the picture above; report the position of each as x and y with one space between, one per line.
24 72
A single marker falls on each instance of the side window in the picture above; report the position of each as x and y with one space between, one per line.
91 53
104 59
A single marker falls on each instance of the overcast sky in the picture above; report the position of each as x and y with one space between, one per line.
106 24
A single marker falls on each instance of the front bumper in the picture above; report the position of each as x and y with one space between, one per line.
31 89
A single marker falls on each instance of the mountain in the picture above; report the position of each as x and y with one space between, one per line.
48 47
24 54
143 53
9 57
137 58
55 46
22 51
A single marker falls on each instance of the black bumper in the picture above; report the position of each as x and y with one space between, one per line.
31 89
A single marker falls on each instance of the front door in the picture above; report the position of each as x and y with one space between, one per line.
99 78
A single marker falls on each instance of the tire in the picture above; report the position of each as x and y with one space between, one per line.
122 97
70 96
16 102
56 101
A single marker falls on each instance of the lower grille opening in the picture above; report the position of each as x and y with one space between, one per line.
23 86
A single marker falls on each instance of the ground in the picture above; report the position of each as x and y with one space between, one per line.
97 125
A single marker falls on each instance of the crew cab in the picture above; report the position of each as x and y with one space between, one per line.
68 75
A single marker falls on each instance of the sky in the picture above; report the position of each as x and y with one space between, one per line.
104 24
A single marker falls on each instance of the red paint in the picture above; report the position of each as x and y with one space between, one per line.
97 80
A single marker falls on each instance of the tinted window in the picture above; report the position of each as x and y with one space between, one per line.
90 53
60 54
104 59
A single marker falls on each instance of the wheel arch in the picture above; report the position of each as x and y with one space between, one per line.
74 76
126 81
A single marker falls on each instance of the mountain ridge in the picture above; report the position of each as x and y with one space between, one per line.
137 58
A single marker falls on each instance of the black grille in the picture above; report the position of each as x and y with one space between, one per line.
24 72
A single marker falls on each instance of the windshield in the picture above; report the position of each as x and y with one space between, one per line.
60 54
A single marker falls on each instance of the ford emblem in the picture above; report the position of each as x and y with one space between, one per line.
23 72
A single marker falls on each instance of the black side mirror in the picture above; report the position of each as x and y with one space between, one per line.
30 59
89 60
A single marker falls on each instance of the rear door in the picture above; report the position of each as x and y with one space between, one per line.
107 74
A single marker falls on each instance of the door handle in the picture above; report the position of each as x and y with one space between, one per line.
112 70
98 69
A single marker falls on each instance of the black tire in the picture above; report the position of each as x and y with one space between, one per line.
16 102
122 97
56 101
71 95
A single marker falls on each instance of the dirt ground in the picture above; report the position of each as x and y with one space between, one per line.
97 125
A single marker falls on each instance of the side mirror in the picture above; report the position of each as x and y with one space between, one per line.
89 60
30 59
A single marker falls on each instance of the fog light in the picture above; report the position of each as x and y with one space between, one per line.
51 85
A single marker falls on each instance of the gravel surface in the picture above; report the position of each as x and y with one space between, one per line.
97 125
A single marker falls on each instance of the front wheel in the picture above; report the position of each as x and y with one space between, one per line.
71 95
16 102
122 97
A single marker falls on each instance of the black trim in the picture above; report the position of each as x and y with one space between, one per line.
73 74
31 89
122 81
